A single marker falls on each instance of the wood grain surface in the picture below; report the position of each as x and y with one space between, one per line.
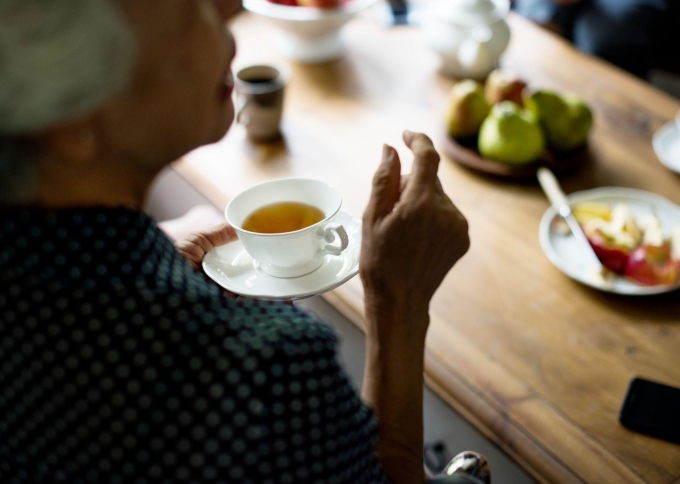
537 362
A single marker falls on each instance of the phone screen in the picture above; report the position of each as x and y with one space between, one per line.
652 408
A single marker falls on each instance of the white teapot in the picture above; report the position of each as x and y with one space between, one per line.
469 35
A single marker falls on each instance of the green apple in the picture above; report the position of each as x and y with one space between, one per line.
511 135
467 109
567 119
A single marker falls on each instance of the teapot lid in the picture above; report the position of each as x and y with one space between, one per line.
471 12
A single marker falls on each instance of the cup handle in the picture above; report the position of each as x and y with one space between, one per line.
241 103
330 233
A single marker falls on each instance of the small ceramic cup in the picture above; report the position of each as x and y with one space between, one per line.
259 100
290 254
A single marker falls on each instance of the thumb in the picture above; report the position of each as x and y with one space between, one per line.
194 247
386 185
217 236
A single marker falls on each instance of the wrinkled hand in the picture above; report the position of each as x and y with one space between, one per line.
194 247
412 233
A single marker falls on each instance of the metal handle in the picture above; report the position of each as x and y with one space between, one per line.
558 199
471 464
551 187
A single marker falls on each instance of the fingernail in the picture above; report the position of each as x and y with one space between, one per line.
408 135
386 151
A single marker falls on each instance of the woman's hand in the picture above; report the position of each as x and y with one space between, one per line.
412 236
412 233
194 247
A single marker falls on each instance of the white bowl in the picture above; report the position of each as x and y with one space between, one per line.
666 142
308 35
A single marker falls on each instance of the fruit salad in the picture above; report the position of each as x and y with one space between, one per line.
636 249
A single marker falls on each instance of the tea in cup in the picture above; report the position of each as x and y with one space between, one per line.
286 225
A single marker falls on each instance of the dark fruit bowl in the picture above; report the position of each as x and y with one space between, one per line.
465 152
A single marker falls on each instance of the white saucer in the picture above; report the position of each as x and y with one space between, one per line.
666 142
565 253
231 267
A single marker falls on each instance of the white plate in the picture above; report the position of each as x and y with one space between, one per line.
666 142
231 267
565 253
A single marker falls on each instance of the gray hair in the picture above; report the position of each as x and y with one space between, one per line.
59 59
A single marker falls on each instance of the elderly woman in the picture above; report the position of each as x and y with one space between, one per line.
121 363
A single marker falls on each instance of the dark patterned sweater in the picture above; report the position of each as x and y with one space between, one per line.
121 364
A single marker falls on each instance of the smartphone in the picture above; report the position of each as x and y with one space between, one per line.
652 408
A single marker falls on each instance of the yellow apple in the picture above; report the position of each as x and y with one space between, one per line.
467 109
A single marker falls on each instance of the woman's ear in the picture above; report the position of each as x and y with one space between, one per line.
75 141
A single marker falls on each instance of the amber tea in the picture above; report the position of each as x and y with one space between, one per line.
282 217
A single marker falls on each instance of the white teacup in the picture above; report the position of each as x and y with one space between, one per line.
290 254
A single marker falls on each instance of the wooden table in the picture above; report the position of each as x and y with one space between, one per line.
537 362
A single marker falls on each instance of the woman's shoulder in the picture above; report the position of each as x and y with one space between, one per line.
260 324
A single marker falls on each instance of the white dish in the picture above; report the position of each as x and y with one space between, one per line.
305 34
666 142
565 253
231 267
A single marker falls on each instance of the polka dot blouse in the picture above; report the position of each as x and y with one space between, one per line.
121 364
